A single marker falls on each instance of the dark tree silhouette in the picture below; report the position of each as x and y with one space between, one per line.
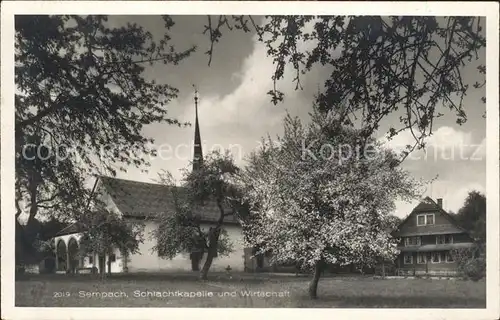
181 230
472 215
408 65
81 103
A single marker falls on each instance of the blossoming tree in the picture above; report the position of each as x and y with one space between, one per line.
320 194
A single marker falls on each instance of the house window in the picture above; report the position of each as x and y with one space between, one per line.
412 241
429 218
444 239
435 257
421 220
91 259
425 219
421 258
449 257
408 258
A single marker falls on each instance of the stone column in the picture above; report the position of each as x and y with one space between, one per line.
57 257
67 259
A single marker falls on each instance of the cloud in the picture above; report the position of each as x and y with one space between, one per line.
453 194
238 119
236 113
248 101
480 150
446 137
455 199
453 157
246 114
450 137
446 143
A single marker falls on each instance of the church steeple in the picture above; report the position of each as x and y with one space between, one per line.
198 152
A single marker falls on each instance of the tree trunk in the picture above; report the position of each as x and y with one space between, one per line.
313 285
206 266
125 261
194 266
103 270
213 239
196 258
212 251
109 265
33 182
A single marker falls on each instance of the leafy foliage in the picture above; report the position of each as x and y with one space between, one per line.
25 251
180 229
34 241
314 202
104 230
392 222
471 262
45 183
472 216
49 228
216 180
180 233
81 94
408 65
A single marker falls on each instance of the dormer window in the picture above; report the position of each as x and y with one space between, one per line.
425 219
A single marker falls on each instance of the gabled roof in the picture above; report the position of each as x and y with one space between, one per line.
144 200
148 200
72 228
429 205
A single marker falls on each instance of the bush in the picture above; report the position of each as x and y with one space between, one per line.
474 269
471 263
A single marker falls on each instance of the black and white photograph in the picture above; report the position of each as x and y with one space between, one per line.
249 155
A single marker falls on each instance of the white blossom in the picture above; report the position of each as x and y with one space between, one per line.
307 209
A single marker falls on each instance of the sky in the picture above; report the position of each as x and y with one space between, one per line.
235 112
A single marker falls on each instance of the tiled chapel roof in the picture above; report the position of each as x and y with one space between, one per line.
148 200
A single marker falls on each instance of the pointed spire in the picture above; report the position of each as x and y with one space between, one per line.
198 152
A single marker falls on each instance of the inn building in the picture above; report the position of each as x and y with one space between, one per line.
427 236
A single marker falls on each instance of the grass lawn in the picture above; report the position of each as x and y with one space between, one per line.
285 290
